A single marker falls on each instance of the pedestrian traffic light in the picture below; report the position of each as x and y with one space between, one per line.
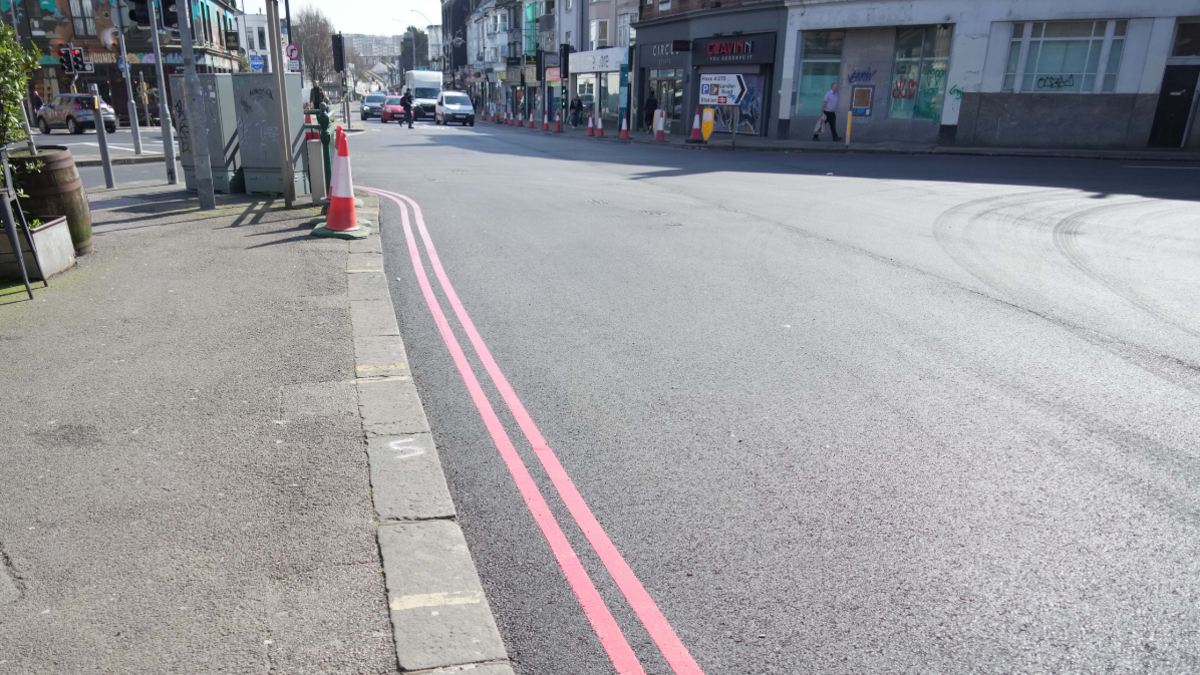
64 60
77 59
169 16
139 13
339 54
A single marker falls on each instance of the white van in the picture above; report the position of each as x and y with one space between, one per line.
454 106
425 85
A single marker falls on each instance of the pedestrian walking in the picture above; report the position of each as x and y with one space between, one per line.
576 111
651 107
36 101
406 102
828 114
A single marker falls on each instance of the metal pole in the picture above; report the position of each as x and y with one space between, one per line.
194 111
132 107
164 110
102 136
10 226
25 97
281 111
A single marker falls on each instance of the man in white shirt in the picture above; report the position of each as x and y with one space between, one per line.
829 113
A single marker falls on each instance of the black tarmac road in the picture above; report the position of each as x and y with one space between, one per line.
838 413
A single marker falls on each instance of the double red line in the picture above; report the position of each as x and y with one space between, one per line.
597 612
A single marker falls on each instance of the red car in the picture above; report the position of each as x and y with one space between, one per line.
392 110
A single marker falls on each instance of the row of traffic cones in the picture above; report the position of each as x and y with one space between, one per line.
594 129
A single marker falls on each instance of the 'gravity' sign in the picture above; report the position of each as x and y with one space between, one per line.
734 49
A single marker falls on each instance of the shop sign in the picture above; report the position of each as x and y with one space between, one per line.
531 75
598 60
756 48
553 75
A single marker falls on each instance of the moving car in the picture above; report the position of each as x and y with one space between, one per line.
392 110
69 111
372 105
454 106
425 85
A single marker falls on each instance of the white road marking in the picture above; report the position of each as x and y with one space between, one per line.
1146 166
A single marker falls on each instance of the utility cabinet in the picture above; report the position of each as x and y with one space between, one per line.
224 152
256 99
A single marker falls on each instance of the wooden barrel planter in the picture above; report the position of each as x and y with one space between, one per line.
54 188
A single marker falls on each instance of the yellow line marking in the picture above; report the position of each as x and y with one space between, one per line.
388 367
435 600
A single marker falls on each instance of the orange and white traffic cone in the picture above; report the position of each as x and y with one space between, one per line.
341 221
660 126
591 129
310 134
599 127
546 121
558 122
625 127
532 125
696 137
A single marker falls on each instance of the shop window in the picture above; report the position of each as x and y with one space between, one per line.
599 34
919 76
820 66
82 18
1065 57
1187 40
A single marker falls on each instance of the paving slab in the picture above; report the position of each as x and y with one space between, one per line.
373 318
440 615
391 407
407 482
380 356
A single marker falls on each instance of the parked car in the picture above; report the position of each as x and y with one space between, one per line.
454 106
68 111
372 105
392 110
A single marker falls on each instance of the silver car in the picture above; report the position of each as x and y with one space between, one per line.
454 106
70 112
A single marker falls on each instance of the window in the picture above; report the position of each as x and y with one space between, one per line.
919 75
820 66
1187 40
567 36
249 40
1063 57
626 33
570 5
599 34
262 38
82 18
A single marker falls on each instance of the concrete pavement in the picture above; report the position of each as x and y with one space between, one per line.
206 424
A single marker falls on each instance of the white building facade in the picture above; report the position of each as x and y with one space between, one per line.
1000 73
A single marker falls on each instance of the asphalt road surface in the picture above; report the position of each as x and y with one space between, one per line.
837 413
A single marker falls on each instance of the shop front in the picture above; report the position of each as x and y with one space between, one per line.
596 78
675 50
753 58
661 70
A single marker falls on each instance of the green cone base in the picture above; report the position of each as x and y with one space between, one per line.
362 232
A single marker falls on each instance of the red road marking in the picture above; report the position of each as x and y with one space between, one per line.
611 638
639 599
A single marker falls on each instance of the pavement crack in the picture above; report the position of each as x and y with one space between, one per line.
10 580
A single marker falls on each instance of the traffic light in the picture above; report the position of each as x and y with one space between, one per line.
77 59
169 16
64 60
339 54
139 13
564 70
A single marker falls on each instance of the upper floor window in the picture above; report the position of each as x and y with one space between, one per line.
599 34
1059 57
626 34
82 18
1187 40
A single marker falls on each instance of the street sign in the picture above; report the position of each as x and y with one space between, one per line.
294 66
256 62
122 65
708 117
722 89
293 51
